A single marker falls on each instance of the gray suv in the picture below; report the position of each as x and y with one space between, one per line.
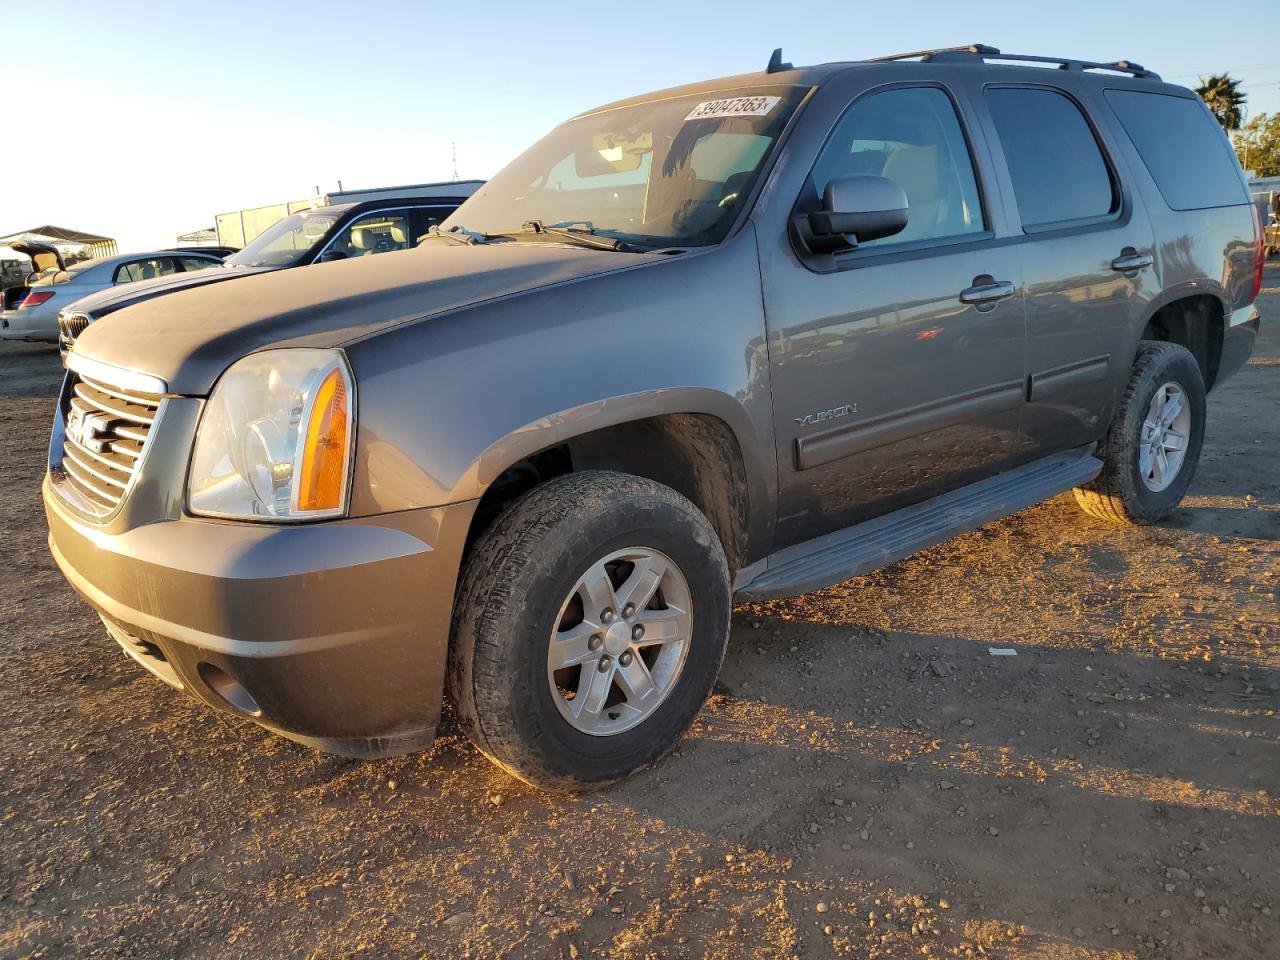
735 340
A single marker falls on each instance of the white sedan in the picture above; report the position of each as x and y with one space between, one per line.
31 312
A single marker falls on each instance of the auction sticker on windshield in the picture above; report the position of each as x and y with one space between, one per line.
733 107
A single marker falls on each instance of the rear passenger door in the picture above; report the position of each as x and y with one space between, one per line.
896 369
1086 255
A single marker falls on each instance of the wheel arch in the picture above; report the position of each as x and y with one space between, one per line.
697 441
1192 315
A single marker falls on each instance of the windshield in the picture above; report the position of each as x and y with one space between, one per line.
658 173
287 241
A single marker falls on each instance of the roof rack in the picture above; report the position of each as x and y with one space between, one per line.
981 52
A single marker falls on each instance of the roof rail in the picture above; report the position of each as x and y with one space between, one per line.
981 52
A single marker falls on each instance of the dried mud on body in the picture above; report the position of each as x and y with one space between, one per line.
868 780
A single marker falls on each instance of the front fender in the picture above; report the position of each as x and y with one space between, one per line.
557 428
449 403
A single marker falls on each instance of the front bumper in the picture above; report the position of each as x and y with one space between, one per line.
332 634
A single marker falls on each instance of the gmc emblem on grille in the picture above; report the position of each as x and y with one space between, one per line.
87 429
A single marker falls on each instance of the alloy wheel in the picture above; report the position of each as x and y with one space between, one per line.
620 642
1166 432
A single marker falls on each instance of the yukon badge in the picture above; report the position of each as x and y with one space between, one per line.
822 416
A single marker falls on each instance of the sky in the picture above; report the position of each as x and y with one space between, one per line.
143 120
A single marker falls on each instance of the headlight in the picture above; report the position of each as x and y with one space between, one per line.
275 439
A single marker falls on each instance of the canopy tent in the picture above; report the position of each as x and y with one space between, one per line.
60 236
204 237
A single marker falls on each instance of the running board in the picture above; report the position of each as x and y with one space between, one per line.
877 543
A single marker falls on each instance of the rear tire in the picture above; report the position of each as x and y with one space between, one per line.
531 587
1153 444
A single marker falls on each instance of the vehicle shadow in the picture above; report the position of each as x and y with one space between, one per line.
1012 784
1253 519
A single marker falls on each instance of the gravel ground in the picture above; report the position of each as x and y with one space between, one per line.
868 780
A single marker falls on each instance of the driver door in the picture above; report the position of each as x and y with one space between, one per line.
892 382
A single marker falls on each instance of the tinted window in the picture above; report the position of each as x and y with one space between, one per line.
1183 147
913 137
196 263
1057 168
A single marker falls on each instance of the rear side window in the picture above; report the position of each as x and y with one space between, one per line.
1059 173
1183 147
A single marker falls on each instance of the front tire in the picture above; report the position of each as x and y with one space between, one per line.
1152 447
589 628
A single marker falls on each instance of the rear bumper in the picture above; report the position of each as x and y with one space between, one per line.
332 634
1238 338
34 324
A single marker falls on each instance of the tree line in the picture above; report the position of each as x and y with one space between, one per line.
1257 141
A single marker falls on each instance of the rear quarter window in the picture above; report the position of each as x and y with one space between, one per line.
1183 148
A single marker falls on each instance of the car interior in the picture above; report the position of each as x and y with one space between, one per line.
372 235
145 269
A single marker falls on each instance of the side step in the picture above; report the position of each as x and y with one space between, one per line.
877 543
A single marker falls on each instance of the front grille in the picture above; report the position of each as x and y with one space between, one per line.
70 326
105 431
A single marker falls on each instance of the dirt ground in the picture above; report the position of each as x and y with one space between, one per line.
868 781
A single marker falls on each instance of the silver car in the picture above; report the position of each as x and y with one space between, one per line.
31 312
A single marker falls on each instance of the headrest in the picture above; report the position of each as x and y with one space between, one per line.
915 169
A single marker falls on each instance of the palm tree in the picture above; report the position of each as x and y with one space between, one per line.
1224 99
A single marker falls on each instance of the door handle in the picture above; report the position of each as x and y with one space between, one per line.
987 291
1131 261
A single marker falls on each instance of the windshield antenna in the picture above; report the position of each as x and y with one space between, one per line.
775 63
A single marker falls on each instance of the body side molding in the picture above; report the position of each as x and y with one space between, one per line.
1046 382
847 439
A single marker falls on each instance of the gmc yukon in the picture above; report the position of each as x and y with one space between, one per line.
735 340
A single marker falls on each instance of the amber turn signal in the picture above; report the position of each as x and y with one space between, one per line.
323 476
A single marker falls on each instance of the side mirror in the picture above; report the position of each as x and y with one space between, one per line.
855 210
330 255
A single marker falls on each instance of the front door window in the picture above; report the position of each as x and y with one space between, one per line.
372 233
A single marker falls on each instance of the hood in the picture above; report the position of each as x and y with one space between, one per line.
43 256
99 304
188 337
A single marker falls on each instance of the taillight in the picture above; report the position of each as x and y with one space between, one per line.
34 299
1259 254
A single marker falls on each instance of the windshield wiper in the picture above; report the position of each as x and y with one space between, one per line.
458 234
581 232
